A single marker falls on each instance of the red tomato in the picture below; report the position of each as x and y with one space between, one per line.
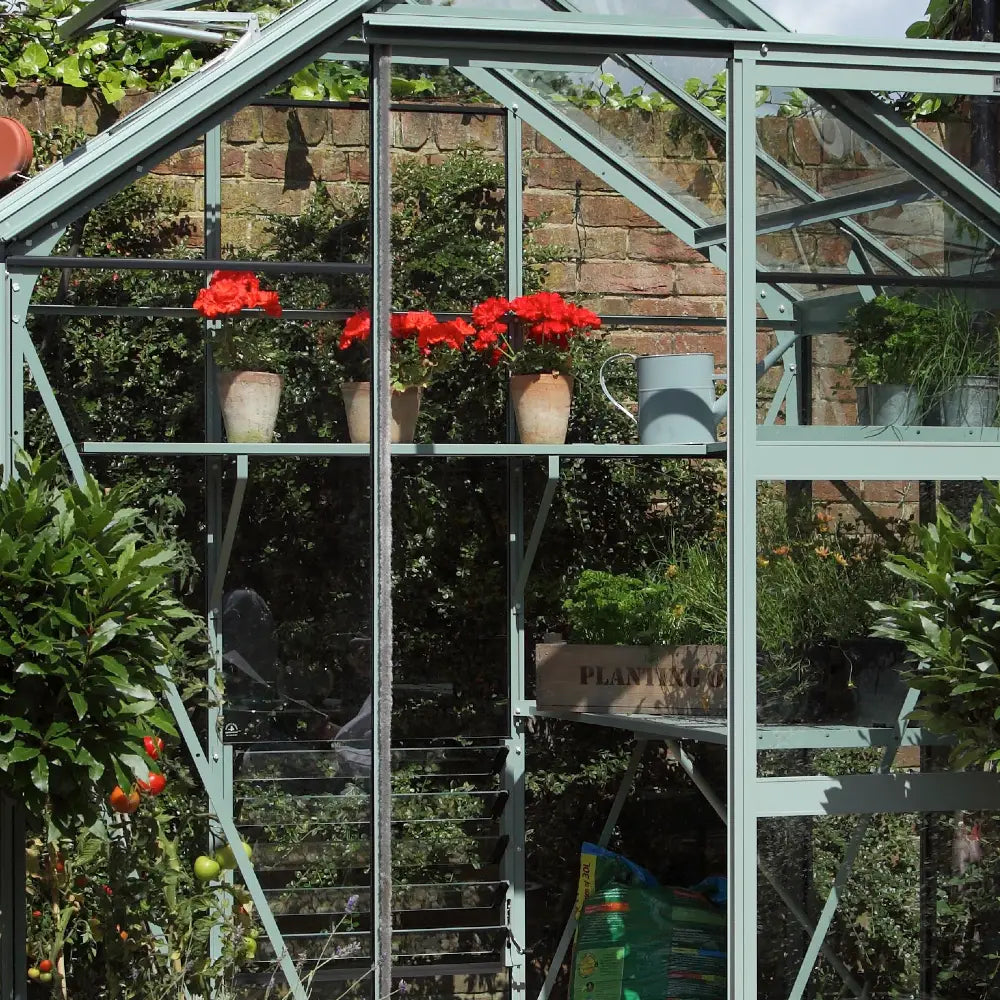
44 965
153 745
156 784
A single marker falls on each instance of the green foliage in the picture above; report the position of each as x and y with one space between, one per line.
135 877
115 62
683 600
899 340
90 617
951 626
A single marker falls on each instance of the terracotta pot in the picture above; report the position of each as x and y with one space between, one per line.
405 408
541 405
16 148
249 405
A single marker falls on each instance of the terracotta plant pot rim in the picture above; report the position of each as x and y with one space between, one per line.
16 148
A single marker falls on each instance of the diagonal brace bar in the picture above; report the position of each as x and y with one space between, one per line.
688 766
628 779
847 864
232 835
537 528
55 413
229 536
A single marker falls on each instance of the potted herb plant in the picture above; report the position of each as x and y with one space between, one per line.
422 346
249 387
949 624
533 335
889 338
959 377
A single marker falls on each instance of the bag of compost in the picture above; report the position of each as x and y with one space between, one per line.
600 867
642 941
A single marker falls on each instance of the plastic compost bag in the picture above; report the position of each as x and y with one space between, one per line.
637 940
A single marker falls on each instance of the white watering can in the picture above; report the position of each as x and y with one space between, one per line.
677 400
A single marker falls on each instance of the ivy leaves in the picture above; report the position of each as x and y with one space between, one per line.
89 614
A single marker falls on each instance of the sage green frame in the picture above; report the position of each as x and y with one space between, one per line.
485 45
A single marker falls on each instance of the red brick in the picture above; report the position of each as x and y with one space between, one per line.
702 343
274 123
455 131
697 280
267 163
309 124
644 278
357 167
560 277
349 128
411 129
329 164
233 161
561 173
612 210
658 244
245 126
701 306
557 207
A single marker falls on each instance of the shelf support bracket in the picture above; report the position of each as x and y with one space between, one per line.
537 528
708 793
229 535
225 821
624 790
847 863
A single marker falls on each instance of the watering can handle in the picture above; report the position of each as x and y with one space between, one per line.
604 385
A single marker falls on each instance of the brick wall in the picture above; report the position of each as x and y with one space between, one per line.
616 258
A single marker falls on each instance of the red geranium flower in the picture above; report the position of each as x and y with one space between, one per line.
409 324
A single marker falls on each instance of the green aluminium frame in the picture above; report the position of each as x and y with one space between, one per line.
488 47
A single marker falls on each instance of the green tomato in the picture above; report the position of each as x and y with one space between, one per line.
34 973
225 858
45 977
249 948
205 869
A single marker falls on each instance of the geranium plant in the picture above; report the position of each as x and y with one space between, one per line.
251 346
422 346
532 333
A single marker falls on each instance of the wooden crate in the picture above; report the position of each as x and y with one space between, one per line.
630 680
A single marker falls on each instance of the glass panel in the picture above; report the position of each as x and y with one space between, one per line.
817 662
673 150
903 225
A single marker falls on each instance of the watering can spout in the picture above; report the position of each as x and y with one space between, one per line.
720 406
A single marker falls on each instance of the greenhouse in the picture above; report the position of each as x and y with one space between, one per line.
498 502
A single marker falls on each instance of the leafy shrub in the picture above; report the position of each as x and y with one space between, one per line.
89 618
951 626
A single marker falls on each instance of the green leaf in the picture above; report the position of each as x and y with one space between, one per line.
33 59
79 703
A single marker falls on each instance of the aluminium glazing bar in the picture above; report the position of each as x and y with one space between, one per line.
865 794
198 264
841 278
52 408
741 307
312 449
502 30
827 210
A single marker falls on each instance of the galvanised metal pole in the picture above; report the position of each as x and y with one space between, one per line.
984 109
513 820
213 503
380 63
741 309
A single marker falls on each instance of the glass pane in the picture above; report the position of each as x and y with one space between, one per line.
903 226
817 662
